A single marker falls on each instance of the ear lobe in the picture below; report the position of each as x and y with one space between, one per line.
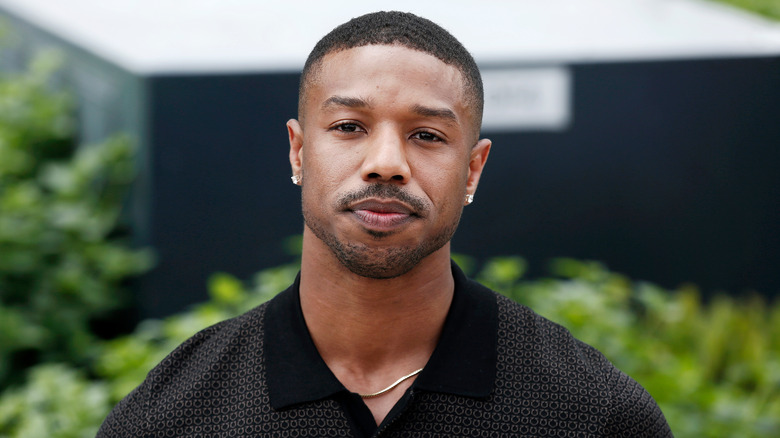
479 155
295 133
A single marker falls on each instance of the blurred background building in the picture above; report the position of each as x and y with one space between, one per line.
641 133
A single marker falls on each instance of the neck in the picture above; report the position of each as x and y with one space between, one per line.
370 332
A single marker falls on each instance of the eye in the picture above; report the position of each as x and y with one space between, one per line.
427 136
347 127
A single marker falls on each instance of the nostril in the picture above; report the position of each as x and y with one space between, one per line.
378 176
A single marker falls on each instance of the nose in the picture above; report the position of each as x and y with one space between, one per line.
385 159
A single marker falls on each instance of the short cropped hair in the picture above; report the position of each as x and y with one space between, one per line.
399 28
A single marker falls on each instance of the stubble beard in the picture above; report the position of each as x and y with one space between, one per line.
377 262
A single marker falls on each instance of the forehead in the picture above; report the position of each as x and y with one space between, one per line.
394 70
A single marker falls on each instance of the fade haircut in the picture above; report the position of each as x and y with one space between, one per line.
404 29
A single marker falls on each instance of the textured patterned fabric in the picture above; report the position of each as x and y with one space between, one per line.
547 384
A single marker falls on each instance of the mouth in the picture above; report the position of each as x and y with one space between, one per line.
382 215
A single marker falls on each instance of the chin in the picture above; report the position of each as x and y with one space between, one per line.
382 257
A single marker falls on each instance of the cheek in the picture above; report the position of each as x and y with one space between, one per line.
316 165
446 186
324 157
439 172
324 177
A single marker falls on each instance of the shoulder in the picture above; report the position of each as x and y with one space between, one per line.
540 356
219 342
222 348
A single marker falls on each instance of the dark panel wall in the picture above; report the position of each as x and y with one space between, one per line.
668 173
222 198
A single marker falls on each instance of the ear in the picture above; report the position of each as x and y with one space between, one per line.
295 133
478 157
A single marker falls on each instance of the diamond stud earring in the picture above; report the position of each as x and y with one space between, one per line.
469 198
296 179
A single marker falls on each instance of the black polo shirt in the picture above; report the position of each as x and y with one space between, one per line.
463 363
499 370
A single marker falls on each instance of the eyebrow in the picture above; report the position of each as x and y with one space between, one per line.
349 102
440 113
445 114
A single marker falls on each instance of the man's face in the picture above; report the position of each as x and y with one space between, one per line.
387 156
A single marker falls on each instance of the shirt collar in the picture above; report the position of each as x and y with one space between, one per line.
463 363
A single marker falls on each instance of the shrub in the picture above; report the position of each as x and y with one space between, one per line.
57 401
714 367
767 8
61 261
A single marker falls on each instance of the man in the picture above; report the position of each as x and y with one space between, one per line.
381 334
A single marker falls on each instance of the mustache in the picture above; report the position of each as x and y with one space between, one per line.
385 192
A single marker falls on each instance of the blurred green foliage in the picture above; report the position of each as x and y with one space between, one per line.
61 263
714 366
57 401
767 8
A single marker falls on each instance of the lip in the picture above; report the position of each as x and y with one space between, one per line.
382 215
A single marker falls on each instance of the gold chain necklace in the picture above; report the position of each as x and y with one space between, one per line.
397 382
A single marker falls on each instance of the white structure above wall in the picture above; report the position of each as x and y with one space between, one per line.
175 36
